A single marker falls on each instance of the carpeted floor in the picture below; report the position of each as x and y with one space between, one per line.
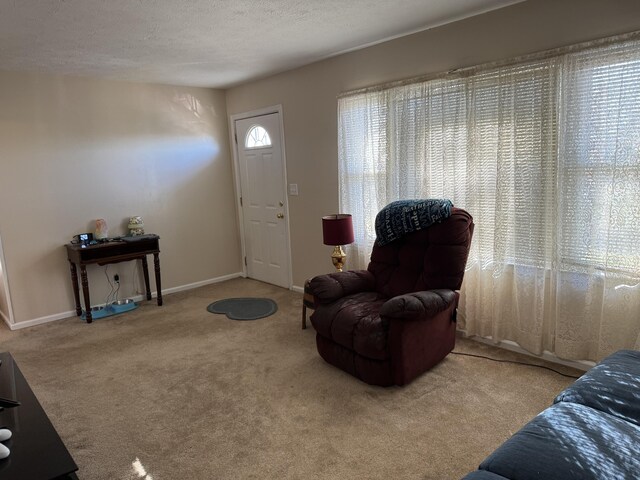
179 393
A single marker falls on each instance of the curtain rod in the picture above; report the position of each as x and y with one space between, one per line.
467 71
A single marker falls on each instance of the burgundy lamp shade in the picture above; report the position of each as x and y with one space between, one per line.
337 229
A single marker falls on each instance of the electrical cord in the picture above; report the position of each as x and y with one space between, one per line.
115 295
516 362
106 274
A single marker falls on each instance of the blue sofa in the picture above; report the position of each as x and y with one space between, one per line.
591 432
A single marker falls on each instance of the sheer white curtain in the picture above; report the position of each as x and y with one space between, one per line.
546 157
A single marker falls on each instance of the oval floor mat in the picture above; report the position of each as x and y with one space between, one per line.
244 308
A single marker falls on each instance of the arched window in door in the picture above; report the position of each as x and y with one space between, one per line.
257 137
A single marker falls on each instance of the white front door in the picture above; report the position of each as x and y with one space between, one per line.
262 185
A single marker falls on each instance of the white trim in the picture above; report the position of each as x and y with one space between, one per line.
431 26
41 320
236 175
5 318
583 365
296 288
72 313
5 285
191 286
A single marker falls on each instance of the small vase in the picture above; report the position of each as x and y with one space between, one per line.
102 231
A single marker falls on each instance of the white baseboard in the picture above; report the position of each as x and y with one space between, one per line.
5 318
546 355
296 288
191 286
39 321
72 313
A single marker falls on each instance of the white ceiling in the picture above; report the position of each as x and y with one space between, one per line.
210 43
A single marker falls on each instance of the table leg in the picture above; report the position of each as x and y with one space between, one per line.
156 264
145 271
304 316
85 293
76 290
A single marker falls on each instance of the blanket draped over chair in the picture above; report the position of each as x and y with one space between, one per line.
405 216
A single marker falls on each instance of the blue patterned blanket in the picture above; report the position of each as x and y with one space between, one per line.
406 216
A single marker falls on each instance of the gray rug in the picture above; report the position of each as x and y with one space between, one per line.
244 308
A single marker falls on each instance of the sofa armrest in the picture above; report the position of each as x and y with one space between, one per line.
419 304
329 288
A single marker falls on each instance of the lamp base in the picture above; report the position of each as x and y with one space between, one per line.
338 257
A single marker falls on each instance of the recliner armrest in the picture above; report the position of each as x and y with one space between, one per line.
330 287
419 304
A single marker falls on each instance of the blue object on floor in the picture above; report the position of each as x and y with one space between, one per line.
109 310
244 308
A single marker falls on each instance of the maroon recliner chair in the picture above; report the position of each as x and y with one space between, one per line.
388 324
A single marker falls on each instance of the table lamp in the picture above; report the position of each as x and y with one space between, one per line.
337 230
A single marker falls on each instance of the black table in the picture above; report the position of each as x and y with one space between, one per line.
37 452
132 248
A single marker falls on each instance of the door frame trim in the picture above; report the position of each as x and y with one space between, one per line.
238 186
10 320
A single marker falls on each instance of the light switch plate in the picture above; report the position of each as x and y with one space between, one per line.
293 189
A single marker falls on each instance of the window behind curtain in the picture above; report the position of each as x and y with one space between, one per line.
599 160
546 157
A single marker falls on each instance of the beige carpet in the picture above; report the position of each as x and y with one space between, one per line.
180 393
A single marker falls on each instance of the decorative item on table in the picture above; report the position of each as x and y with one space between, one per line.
337 230
102 231
136 226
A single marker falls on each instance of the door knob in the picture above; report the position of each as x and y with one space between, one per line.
280 215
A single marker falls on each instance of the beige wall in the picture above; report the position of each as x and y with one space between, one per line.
308 94
75 149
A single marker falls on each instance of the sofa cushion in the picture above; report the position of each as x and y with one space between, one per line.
483 475
612 386
354 322
569 441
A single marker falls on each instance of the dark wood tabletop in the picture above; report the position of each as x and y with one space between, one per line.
37 452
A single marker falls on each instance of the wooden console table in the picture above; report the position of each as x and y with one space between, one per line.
131 248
